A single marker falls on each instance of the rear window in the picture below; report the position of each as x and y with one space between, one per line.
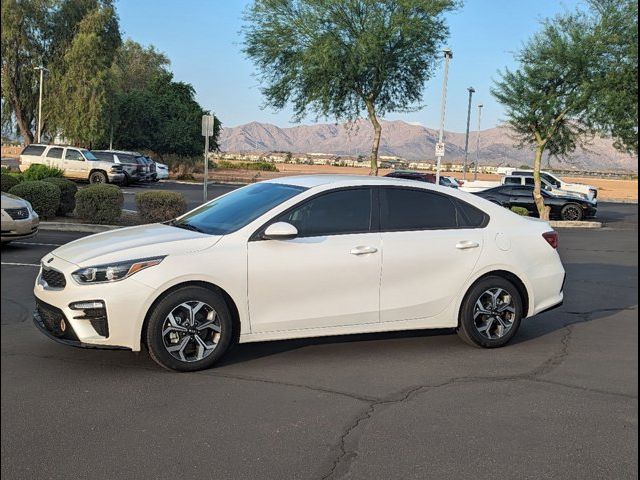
405 209
104 156
35 150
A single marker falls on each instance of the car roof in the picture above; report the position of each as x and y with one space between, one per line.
311 181
123 152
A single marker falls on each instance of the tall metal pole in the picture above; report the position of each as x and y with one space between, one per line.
39 133
448 55
475 175
206 168
466 141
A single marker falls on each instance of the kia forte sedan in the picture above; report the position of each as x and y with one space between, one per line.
302 257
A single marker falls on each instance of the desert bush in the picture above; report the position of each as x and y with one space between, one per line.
68 190
520 211
40 172
262 166
44 197
99 203
158 206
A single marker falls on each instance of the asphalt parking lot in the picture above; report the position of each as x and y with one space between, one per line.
561 401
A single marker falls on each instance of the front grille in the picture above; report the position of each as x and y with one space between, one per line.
54 278
54 321
18 213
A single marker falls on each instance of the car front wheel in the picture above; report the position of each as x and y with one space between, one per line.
571 212
491 313
190 329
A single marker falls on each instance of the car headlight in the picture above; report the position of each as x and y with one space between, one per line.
114 272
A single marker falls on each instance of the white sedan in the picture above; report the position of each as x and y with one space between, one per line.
302 257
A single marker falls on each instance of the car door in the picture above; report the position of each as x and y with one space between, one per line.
74 164
429 250
328 276
522 197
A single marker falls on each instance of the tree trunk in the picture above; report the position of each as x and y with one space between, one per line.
23 125
377 133
543 210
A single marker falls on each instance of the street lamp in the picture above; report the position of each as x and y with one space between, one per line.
42 70
448 55
475 175
466 141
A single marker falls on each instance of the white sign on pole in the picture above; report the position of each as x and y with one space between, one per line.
440 149
207 125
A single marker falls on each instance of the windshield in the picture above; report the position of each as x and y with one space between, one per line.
88 155
238 208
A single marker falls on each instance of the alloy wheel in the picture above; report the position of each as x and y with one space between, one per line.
571 213
191 331
494 313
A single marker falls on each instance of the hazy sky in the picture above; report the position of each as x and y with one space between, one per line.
201 37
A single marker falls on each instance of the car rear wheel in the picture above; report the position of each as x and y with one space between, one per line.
571 212
98 177
190 329
491 313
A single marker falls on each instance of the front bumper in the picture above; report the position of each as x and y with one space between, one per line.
126 304
19 229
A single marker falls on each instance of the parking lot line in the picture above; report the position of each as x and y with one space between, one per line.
12 264
38 243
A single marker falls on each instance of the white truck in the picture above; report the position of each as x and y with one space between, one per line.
556 182
77 163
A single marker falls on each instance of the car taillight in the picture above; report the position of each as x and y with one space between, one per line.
551 238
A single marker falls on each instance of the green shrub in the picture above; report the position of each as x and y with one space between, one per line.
520 211
99 203
9 181
44 197
68 190
158 206
38 171
262 166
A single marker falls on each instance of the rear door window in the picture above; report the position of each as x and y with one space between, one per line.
403 209
470 216
35 150
55 152
512 181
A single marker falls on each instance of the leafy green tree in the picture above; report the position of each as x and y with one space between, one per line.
340 58
616 100
84 86
547 99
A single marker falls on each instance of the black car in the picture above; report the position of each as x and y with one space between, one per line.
420 177
562 207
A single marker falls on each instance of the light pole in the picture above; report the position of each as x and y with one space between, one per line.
475 175
448 55
39 133
466 141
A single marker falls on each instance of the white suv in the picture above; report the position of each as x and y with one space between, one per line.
589 191
77 163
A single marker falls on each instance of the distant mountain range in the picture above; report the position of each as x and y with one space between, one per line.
411 142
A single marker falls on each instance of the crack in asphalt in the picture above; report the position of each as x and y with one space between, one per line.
346 449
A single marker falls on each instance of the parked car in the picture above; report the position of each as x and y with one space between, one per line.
421 177
19 221
77 163
563 207
302 257
556 182
450 182
549 187
134 166
162 170
153 174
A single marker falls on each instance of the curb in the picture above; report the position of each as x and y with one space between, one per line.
184 182
570 224
77 227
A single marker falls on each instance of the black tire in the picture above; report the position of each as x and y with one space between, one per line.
571 212
156 342
98 177
468 329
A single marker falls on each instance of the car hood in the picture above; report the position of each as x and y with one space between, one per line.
134 242
11 201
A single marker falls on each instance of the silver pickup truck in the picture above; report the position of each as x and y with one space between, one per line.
77 163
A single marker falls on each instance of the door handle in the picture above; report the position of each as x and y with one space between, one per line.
362 250
466 244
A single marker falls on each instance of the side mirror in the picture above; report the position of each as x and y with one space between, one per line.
280 231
